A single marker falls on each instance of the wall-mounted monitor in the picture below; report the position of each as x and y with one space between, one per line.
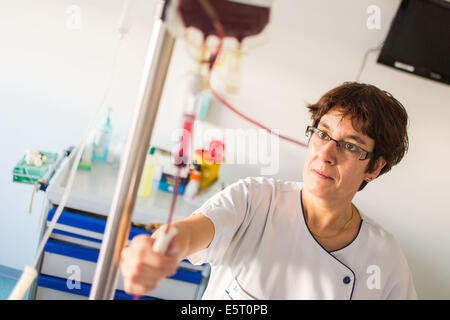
418 41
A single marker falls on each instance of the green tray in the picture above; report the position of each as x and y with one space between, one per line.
28 173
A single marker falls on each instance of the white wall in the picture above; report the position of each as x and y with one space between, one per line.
52 78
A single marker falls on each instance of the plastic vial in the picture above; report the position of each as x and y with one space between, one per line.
147 175
192 187
234 72
102 138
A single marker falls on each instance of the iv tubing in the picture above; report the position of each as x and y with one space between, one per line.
30 273
220 32
73 169
229 106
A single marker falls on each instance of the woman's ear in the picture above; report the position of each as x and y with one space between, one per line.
379 165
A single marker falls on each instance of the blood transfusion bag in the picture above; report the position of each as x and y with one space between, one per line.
219 25
239 19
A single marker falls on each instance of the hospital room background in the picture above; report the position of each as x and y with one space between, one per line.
53 74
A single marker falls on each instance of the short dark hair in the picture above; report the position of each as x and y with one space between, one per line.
373 112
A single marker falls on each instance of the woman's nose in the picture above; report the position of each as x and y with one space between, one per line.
328 152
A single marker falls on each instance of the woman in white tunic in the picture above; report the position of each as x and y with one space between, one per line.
273 239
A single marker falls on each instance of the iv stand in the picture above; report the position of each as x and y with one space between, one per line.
119 219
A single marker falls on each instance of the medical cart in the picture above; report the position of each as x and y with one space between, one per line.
69 261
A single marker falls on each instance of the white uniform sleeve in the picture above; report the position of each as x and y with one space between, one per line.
228 210
403 289
402 281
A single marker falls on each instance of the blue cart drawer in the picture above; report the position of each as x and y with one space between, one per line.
84 289
88 223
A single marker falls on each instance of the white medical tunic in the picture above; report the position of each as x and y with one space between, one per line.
263 249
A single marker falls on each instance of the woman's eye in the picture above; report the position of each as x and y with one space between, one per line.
322 135
350 147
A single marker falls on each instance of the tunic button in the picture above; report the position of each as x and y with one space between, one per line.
347 280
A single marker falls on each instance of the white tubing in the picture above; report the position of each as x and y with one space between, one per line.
126 18
25 281
30 273
73 170
163 240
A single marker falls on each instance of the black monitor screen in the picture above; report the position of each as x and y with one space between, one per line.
419 39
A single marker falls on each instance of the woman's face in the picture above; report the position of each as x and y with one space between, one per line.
328 173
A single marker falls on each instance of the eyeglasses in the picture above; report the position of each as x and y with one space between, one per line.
347 149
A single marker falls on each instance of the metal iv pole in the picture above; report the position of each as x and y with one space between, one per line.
119 219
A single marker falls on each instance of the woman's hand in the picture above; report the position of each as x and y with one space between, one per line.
142 268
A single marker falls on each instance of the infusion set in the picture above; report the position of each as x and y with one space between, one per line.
211 28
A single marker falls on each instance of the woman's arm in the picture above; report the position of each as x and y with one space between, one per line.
194 234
